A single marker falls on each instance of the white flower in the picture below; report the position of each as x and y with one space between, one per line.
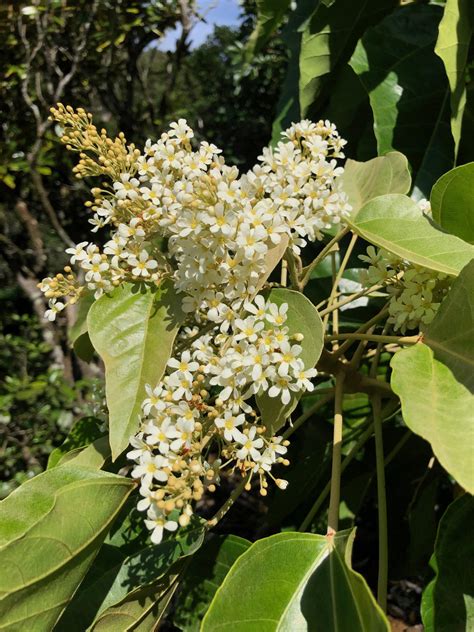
157 523
277 315
151 467
229 423
142 265
54 308
77 253
184 364
250 445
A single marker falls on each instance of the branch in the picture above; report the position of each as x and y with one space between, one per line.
34 233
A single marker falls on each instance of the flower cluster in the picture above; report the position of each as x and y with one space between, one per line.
415 292
183 212
178 211
198 420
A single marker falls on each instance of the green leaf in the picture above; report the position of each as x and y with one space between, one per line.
83 432
451 334
303 318
454 38
270 13
448 601
452 202
133 330
408 90
294 581
329 38
363 181
436 407
288 107
203 577
142 609
396 223
118 583
51 529
93 455
77 334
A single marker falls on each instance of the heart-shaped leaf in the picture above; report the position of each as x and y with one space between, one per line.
204 575
294 581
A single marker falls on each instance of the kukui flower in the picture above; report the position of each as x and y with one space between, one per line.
178 211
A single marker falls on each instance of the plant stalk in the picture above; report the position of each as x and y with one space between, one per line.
381 505
324 252
334 499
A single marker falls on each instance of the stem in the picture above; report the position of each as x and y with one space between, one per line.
293 269
325 251
340 272
364 437
309 413
361 441
334 500
229 502
363 328
351 298
284 272
403 340
382 505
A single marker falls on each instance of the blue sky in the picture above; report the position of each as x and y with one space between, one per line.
220 12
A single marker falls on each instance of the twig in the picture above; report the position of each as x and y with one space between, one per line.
306 272
335 495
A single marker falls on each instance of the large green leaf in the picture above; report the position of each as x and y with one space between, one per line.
94 455
448 601
329 38
77 334
408 90
133 330
288 106
395 222
203 577
452 202
454 38
84 431
51 529
143 568
270 13
451 334
142 609
438 408
294 581
363 181
302 318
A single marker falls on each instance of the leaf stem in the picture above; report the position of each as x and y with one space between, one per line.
324 252
334 499
229 502
364 437
403 340
381 505
352 297
362 329
340 273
